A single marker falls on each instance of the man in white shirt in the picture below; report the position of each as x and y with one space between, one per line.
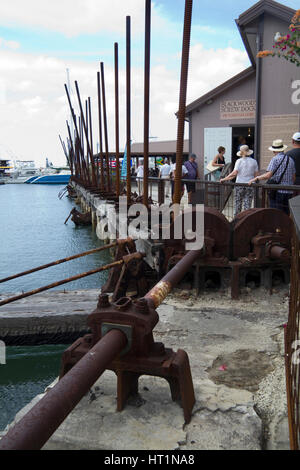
184 172
140 176
164 174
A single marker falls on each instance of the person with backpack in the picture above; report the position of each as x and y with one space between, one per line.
281 171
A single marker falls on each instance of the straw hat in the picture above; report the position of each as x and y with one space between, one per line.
244 149
278 146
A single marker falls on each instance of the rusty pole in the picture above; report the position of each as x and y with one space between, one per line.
38 425
81 151
105 127
59 283
169 281
117 119
89 151
91 141
147 99
128 107
182 98
100 134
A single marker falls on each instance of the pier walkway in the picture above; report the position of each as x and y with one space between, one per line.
237 362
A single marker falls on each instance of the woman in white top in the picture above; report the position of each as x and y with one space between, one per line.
245 170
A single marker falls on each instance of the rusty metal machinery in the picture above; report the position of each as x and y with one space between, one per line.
261 246
142 356
252 250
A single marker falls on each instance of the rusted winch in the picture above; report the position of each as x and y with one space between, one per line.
142 356
255 245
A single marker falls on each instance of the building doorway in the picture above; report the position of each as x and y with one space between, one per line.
248 133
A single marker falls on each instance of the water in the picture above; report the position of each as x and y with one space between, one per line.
32 233
28 371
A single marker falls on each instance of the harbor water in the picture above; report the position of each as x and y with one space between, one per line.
32 233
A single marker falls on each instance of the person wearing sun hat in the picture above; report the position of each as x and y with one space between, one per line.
295 154
282 170
245 169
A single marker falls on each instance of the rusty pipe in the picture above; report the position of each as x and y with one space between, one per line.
38 425
117 124
105 126
279 253
60 261
100 133
85 128
182 98
159 292
59 283
128 106
147 99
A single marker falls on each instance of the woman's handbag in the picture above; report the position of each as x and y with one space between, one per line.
272 180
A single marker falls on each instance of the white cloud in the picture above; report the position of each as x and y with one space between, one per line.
72 17
35 108
9 44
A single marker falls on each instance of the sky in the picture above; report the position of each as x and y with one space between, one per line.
41 40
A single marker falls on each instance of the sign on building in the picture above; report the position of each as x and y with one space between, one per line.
238 109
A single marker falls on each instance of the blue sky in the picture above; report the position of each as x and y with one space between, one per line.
213 26
38 43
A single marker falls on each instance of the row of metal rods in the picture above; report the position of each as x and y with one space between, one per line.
82 162
60 261
59 283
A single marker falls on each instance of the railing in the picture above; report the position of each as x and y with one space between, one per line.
292 341
221 196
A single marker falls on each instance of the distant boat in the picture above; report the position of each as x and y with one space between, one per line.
58 177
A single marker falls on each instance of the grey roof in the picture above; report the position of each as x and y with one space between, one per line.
244 75
263 6
256 11
266 6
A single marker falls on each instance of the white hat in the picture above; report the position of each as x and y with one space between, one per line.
244 149
278 146
296 137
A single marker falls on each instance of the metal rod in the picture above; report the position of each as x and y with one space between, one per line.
128 107
147 99
100 134
91 141
59 283
81 154
60 261
105 126
117 119
182 98
89 152
38 425
169 281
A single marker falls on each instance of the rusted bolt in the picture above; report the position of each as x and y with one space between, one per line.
103 301
141 306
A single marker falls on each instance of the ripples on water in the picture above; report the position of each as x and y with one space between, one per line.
32 233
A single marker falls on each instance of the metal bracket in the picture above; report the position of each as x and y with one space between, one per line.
106 327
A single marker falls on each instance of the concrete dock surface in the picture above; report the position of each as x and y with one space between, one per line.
236 355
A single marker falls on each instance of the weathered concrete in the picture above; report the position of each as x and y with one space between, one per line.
224 417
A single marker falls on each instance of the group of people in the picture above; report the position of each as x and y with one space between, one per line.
283 169
189 171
